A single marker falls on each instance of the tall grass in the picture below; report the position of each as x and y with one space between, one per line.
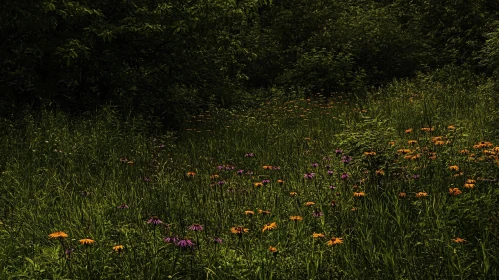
107 180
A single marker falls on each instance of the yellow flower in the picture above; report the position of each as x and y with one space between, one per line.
280 182
58 235
470 181
454 168
293 193
369 153
249 212
258 184
359 194
87 241
335 241
412 142
464 151
407 131
391 143
421 194
404 151
309 203
191 174
270 226
267 167
272 249
238 230
458 240
427 129
295 218
454 191
318 235
118 248
469 186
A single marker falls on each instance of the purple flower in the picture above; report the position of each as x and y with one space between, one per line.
185 243
266 181
68 252
276 168
170 239
330 172
338 151
309 176
147 179
333 203
217 240
315 164
240 172
249 173
196 227
161 146
317 213
249 155
220 167
346 159
154 220
415 176
123 206
344 176
328 167
332 187
221 182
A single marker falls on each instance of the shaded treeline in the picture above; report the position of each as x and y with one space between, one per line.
171 58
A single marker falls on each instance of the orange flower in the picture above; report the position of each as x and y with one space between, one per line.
407 131
391 143
451 127
293 193
295 218
439 143
427 129
469 186
402 195
87 241
412 142
58 235
318 235
273 249
455 191
280 182
369 153
258 184
335 241
118 248
459 240
309 203
191 174
436 138
270 226
464 152
264 212
214 176
404 151
421 194
470 181
359 194
454 168
239 230
249 212
267 167
380 172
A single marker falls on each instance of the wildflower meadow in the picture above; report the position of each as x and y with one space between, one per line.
402 184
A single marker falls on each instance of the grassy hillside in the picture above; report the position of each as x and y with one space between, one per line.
402 185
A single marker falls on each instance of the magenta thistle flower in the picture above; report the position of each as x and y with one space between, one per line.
346 159
330 172
221 182
266 181
309 176
317 213
332 187
276 168
240 172
196 227
170 239
338 151
315 164
344 176
123 206
217 240
249 155
154 220
185 243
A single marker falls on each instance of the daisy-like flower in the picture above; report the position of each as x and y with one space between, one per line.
318 235
280 182
454 168
263 212
309 203
273 250
469 186
427 129
270 226
214 176
317 213
170 239
369 153
346 159
359 194
404 151
412 142
451 127
293 193
380 172
295 218
267 167
154 220
240 172
185 243
118 248
407 131
58 235
265 182
239 230
334 241
459 240
421 194
249 155
455 191
470 181
330 172
196 227
391 143
123 206
191 174
309 176
258 184
87 241
249 212
315 164
338 151
344 176
464 151
217 240
402 195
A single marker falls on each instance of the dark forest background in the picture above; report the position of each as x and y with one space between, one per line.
170 59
